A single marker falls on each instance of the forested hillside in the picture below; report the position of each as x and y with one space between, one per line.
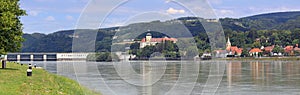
274 28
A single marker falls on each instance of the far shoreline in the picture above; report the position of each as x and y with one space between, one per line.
290 58
285 58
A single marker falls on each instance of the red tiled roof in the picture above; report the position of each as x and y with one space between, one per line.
239 51
160 39
235 49
269 48
296 49
255 50
288 48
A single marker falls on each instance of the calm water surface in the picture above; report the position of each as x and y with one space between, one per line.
209 77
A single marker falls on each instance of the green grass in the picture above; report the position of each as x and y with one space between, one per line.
13 81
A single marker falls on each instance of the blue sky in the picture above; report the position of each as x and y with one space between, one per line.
48 16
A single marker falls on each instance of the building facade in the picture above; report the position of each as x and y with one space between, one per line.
148 40
233 50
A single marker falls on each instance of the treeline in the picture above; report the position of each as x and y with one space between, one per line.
168 50
102 57
243 39
274 28
257 38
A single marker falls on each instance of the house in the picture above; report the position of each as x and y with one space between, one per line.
234 50
269 49
255 51
148 40
297 49
220 53
289 50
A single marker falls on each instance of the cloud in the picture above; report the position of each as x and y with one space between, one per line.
272 9
175 11
33 13
50 18
224 13
215 2
168 1
68 17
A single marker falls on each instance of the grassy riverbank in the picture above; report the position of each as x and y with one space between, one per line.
13 81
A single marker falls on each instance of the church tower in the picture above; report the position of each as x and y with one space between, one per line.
228 44
148 37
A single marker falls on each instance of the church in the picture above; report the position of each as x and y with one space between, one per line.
148 40
232 50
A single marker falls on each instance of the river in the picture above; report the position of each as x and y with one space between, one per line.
183 77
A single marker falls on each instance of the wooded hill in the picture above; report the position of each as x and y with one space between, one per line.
278 28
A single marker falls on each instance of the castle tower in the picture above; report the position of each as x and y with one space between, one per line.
228 44
148 37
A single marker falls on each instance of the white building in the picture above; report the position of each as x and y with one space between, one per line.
148 41
71 56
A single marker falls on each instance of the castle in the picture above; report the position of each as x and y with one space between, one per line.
148 40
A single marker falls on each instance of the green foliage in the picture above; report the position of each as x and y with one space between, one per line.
295 41
10 26
146 51
245 53
278 49
192 52
256 44
263 38
103 57
61 41
271 29
168 49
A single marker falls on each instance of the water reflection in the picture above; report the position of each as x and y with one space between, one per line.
240 77
262 77
234 72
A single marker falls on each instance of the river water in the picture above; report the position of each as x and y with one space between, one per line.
183 77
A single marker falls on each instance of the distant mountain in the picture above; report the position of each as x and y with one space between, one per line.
271 21
61 41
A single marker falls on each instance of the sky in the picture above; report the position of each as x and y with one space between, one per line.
48 16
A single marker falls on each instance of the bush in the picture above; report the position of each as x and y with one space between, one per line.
103 57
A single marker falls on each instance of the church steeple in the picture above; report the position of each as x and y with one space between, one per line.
228 44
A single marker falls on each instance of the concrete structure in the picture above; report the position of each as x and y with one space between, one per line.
56 56
30 56
71 56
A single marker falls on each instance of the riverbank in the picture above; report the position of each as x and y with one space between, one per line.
13 81
263 58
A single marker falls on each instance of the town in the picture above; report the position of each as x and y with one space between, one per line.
257 50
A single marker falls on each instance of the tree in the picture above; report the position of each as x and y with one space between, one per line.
245 52
10 26
103 57
295 41
191 51
256 44
278 49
